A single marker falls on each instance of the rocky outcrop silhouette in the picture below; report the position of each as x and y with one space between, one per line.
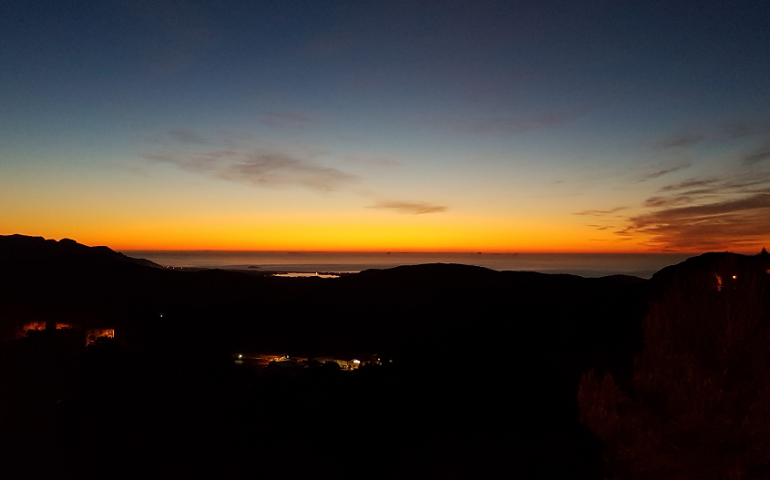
698 405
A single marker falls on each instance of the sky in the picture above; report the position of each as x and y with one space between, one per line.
495 126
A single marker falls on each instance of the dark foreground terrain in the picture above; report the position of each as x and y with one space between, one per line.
478 373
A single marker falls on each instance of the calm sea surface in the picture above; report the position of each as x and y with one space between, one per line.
586 265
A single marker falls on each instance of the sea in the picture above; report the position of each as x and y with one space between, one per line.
329 263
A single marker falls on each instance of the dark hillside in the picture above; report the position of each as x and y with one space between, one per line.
25 248
480 368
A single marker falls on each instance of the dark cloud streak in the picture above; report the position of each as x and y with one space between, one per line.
706 226
689 183
410 208
700 212
663 171
710 213
759 155
656 202
728 132
599 213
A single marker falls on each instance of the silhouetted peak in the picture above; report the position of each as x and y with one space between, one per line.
23 247
713 269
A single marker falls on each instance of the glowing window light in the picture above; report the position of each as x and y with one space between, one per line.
33 326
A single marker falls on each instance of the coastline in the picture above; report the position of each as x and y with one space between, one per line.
642 265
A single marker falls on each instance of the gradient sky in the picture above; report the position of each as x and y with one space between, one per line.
386 125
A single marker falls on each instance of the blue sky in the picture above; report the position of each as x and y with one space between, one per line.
506 126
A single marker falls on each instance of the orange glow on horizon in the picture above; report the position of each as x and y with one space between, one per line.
446 239
450 233
375 240
216 226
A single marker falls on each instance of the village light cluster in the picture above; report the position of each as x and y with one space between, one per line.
67 333
286 361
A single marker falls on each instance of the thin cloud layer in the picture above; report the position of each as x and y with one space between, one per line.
410 208
599 213
663 171
706 214
761 154
745 183
732 223
276 166
656 202
690 183
261 169
723 133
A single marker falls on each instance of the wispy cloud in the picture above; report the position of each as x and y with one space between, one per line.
717 133
739 222
759 201
268 164
599 213
692 182
727 211
410 208
662 171
759 155
706 214
259 168
656 202
743 128
741 183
